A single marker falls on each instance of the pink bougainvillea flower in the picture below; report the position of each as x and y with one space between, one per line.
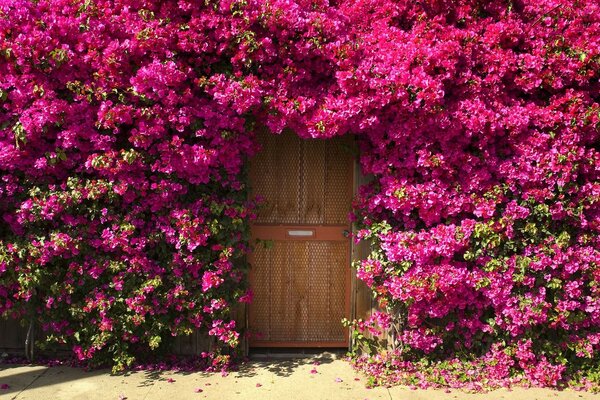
170 380
124 139
258 385
4 386
122 397
314 371
338 380
198 390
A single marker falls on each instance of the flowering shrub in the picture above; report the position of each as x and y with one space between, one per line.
125 127
122 146
484 211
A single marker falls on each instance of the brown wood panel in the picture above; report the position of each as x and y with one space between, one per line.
12 340
288 169
309 283
303 181
338 182
313 195
280 299
239 314
319 294
263 182
12 335
193 344
304 260
363 302
259 313
185 344
339 287
301 271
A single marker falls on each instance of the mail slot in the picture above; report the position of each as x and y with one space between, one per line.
301 232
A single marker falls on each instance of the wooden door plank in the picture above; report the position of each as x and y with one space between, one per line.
287 172
262 176
261 285
319 296
313 184
338 184
338 281
299 258
279 300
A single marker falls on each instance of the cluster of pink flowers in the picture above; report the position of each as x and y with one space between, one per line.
125 127
123 203
483 213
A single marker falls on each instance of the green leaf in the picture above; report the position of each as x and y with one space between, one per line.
20 134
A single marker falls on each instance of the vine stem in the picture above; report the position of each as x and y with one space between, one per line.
29 341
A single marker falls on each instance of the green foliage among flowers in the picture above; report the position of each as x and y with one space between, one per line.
125 127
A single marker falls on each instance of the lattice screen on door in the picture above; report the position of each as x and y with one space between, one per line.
301 284
299 291
303 181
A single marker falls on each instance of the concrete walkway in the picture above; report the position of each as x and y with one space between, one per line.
261 379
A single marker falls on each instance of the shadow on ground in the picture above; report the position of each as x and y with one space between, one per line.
279 364
282 365
151 377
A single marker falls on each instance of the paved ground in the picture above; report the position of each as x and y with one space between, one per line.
269 379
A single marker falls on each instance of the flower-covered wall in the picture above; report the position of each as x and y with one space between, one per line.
125 127
483 138
124 136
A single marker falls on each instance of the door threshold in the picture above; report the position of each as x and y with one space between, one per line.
265 353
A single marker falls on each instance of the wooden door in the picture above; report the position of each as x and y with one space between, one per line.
300 266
